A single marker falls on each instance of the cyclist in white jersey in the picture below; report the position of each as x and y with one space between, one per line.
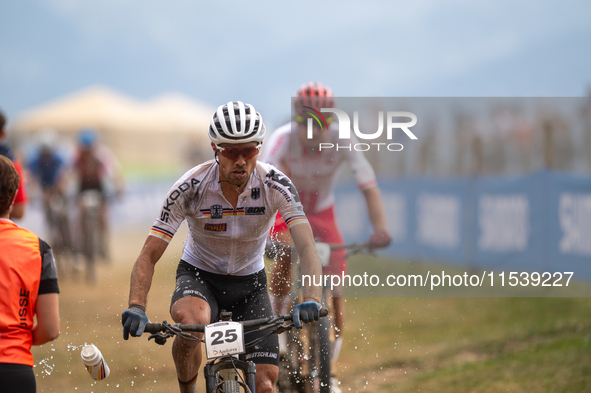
314 172
230 204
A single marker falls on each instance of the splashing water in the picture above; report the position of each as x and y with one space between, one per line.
72 347
47 368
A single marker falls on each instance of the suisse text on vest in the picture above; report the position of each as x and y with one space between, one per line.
345 130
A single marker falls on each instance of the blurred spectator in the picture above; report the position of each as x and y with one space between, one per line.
427 156
29 308
495 149
523 131
464 133
557 140
18 209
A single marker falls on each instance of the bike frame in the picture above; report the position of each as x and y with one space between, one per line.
319 357
90 203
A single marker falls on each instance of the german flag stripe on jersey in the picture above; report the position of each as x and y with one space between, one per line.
226 212
295 220
161 233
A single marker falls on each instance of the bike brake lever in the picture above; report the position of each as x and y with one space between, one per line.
284 328
159 338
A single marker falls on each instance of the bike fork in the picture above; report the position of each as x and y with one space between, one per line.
229 376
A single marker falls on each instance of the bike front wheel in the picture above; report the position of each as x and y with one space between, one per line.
320 356
231 387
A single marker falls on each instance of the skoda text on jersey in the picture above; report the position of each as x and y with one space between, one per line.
223 239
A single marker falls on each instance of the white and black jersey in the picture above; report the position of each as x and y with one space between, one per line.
223 239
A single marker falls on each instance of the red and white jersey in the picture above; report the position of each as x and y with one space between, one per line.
315 173
223 239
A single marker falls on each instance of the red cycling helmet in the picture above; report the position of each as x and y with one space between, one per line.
314 95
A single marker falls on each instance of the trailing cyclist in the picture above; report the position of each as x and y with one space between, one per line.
230 204
48 169
98 175
314 173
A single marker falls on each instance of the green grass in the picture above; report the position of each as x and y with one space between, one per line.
464 344
143 171
468 345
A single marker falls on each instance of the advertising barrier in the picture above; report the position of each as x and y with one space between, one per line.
534 223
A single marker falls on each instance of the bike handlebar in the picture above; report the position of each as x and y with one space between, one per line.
250 324
351 248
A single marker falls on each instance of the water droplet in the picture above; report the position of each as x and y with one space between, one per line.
47 368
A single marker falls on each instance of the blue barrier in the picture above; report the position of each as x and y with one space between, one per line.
537 222
508 223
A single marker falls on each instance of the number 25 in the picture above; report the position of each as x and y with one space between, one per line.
230 337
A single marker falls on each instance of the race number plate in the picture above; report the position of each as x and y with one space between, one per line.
223 338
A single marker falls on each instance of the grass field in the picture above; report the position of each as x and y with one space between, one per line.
391 344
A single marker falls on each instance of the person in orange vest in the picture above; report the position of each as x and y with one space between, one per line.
28 289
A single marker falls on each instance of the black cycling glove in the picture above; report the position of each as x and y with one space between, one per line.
307 311
134 321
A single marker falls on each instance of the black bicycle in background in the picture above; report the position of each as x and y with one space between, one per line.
91 243
306 355
57 215
224 341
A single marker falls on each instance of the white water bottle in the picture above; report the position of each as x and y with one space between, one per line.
95 363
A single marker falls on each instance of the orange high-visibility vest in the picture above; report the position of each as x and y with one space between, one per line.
20 275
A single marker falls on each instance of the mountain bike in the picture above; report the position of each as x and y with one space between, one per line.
90 209
58 222
305 359
224 341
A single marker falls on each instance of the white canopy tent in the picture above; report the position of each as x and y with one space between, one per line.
166 132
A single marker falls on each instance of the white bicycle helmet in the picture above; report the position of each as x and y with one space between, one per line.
236 122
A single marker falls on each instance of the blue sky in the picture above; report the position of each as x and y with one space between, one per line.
261 52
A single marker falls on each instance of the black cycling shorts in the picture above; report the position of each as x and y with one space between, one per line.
17 378
245 296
